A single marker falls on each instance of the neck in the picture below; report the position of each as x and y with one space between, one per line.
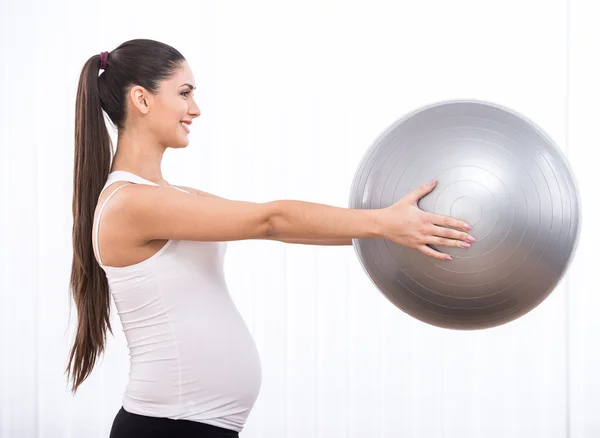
140 156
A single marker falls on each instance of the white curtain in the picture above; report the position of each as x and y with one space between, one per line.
292 95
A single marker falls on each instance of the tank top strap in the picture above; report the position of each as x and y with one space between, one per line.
97 227
121 175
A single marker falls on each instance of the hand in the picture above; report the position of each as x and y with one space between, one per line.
406 224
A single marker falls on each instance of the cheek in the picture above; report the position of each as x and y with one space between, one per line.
168 118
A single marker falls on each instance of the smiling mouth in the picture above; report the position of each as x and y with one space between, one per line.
185 126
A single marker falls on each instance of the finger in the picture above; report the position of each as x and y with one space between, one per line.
449 233
446 221
441 241
417 194
433 253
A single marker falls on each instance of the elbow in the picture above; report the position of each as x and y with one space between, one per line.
271 228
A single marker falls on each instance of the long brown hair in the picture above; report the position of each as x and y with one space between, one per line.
138 62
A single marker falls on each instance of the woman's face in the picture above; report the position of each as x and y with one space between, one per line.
172 109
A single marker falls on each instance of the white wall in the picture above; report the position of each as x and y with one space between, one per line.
292 95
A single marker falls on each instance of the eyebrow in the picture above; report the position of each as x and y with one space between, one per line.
188 85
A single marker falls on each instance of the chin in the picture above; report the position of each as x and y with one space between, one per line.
180 144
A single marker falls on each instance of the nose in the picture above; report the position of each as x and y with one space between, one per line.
194 109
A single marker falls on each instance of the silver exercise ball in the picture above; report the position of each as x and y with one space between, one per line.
500 173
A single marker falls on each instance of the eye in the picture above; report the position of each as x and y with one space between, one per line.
186 93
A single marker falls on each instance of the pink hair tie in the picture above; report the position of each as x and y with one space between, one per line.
103 60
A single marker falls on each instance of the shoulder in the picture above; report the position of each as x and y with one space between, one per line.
130 197
137 203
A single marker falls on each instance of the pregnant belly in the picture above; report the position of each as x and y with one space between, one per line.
200 364
219 359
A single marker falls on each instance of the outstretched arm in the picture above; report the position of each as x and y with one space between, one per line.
322 242
174 216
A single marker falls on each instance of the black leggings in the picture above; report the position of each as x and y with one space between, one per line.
128 425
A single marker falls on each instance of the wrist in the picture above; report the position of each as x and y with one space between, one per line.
375 222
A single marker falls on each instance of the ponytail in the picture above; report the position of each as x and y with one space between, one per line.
88 283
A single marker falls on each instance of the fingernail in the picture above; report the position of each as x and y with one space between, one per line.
448 257
466 245
467 227
471 239
432 182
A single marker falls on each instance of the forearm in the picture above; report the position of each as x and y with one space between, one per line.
293 220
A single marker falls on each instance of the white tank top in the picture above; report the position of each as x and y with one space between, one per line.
191 354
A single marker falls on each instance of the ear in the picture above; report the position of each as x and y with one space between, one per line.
140 99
